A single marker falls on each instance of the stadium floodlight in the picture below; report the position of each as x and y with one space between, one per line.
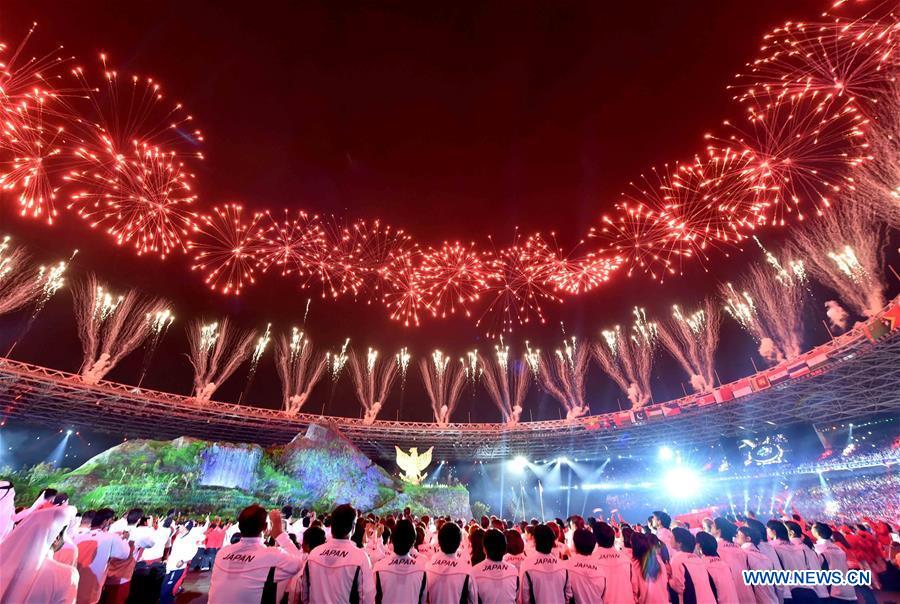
666 453
518 464
562 460
682 482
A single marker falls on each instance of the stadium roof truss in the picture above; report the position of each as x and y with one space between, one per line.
859 377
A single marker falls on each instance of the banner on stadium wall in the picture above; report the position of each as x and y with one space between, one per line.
723 394
892 317
742 388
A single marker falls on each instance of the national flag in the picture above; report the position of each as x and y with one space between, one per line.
623 418
742 388
760 382
778 375
706 399
817 360
639 415
876 329
723 394
670 409
595 422
798 368
892 316
655 411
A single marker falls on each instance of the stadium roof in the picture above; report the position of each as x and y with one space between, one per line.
854 376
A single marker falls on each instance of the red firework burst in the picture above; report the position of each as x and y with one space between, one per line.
292 244
133 108
403 293
33 157
803 149
142 199
34 114
843 57
518 288
453 277
226 248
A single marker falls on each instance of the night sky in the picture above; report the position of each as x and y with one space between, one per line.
452 122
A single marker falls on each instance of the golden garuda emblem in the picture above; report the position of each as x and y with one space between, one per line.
413 463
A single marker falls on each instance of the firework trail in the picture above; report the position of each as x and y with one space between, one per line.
19 285
299 368
337 361
770 307
261 344
628 360
49 280
844 250
532 358
444 382
373 377
217 349
506 383
562 375
878 182
110 327
692 339
226 248
836 314
159 323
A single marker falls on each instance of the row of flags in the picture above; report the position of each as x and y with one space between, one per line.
810 363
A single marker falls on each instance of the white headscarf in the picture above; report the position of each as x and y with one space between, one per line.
7 507
26 548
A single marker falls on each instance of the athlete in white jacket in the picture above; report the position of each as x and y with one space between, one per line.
587 579
449 577
399 577
544 578
338 572
242 570
497 580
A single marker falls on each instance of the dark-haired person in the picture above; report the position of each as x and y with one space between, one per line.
244 571
748 538
449 576
718 569
689 579
339 571
44 499
791 558
587 581
515 548
811 560
181 552
399 577
648 568
118 580
834 559
621 584
725 531
497 580
95 550
543 576
661 524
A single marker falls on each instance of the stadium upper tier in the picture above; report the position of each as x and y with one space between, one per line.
856 374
